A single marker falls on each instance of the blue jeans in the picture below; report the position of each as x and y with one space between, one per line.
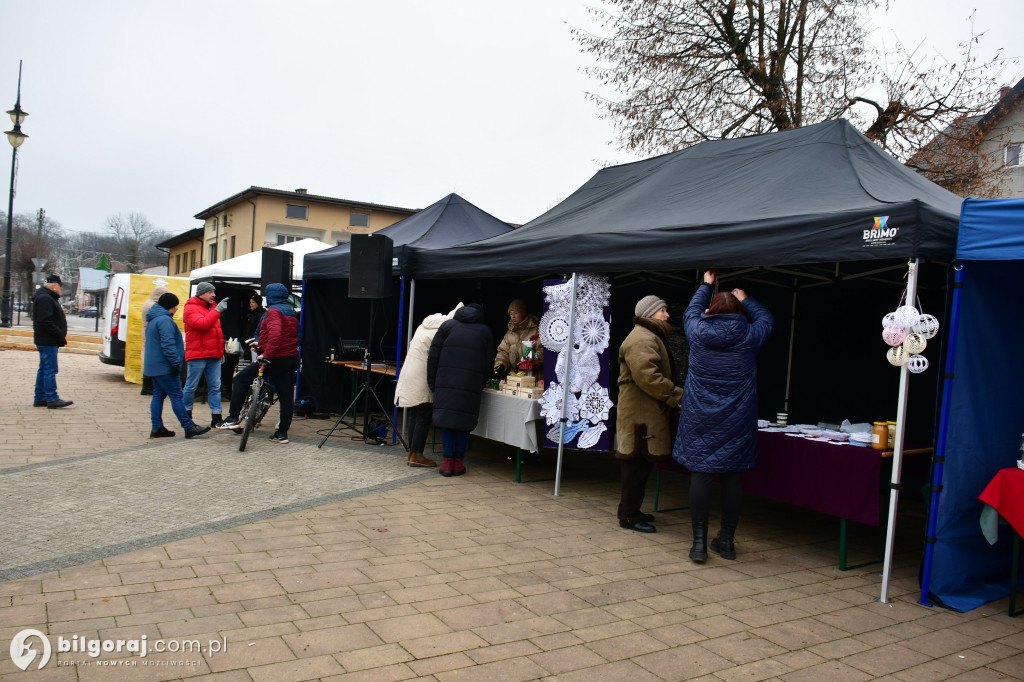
168 386
455 442
210 367
46 376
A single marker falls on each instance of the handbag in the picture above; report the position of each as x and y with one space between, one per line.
233 346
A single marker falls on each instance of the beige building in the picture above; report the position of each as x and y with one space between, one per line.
981 156
258 217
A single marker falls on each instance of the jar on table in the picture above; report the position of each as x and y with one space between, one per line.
892 435
879 436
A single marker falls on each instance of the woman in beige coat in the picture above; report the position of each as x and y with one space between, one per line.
522 326
412 392
647 397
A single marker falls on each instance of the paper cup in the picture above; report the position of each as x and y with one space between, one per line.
782 418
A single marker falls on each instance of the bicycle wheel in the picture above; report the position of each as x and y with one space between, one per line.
251 413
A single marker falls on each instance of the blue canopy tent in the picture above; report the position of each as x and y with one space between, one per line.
982 414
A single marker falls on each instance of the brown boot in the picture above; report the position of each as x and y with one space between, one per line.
417 459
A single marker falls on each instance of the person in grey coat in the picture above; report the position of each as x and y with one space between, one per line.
459 363
717 432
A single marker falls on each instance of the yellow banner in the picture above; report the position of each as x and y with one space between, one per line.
139 290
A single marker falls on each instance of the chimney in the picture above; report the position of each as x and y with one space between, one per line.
300 190
1004 91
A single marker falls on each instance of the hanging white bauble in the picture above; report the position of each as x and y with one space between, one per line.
889 320
907 316
926 325
917 364
894 335
898 356
915 343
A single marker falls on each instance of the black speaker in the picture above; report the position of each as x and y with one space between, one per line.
277 268
369 273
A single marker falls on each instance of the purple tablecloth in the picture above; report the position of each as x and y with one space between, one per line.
843 480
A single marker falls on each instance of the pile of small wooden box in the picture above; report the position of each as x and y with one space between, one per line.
521 387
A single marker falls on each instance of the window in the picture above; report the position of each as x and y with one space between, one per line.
1013 155
177 264
232 246
224 248
213 225
213 254
296 212
193 265
287 239
359 219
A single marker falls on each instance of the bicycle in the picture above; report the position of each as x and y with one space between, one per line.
256 404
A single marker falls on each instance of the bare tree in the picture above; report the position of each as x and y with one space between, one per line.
133 233
694 70
33 235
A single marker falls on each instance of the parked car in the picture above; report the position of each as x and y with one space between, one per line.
88 311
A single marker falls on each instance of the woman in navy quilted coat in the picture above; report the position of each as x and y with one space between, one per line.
718 425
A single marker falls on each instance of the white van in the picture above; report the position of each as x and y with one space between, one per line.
116 304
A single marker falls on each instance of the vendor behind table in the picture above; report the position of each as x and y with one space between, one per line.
520 349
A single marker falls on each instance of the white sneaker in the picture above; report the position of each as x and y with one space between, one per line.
229 425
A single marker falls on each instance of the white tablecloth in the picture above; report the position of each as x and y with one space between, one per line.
509 419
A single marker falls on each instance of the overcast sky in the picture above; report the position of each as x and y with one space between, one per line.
166 108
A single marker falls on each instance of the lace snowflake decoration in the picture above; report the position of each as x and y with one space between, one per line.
586 368
554 330
592 333
594 404
592 294
551 405
559 296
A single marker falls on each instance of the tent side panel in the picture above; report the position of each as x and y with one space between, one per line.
986 420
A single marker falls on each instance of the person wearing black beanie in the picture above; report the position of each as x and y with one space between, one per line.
164 357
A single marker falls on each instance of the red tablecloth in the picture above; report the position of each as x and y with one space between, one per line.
842 480
1005 494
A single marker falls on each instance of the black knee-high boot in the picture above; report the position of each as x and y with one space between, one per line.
699 551
725 543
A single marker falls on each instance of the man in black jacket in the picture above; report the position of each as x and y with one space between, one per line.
51 330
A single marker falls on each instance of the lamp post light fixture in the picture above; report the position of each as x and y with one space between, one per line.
15 137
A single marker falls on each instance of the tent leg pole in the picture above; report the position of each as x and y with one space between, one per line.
897 455
565 388
789 359
398 353
940 443
408 341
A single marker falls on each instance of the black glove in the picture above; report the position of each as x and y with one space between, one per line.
175 370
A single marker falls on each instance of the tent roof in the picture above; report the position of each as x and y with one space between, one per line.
452 221
799 196
991 229
249 266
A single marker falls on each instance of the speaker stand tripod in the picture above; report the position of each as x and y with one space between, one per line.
366 392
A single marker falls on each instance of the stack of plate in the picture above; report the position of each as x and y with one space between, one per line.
861 439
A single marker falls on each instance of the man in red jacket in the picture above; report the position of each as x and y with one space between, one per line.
279 339
204 347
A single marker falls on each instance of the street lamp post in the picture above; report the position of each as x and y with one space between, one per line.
15 137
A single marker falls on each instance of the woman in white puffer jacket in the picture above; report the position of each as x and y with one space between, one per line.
412 392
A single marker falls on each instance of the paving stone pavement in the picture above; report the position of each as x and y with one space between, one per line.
410 576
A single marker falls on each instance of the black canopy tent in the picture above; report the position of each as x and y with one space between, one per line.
329 315
800 196
815 206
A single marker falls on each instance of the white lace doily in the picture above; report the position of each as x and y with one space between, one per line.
551 404
594 404
592 333
554 330
585 370
589 437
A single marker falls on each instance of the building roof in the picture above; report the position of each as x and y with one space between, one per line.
1012 98
298 195
193 235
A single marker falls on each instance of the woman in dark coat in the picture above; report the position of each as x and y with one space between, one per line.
459 363
718 425
647 397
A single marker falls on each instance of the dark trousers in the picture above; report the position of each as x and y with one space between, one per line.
732 497
281 373
455 442
419 425
634 473
46 375
168 386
